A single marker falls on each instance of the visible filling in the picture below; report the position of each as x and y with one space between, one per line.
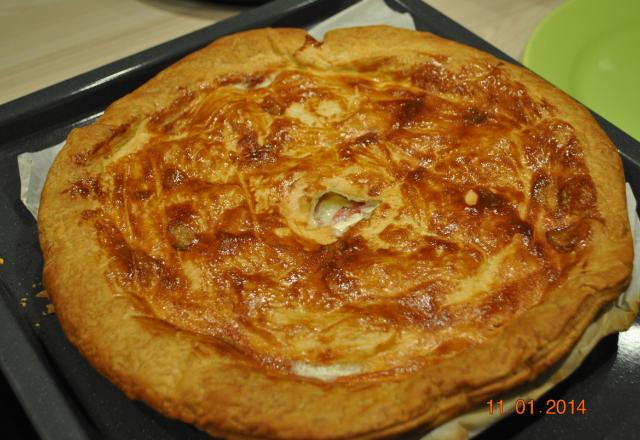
340 212
327 373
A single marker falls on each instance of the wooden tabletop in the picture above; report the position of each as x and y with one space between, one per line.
43 42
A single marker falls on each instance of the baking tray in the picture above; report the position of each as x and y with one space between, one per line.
65 397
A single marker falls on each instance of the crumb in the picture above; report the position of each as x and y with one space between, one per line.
37 324
50 308
42 294
33 286
23 302
1 260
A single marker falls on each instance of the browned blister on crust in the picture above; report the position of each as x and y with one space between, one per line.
283 238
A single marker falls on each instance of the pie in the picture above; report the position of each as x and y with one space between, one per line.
278 237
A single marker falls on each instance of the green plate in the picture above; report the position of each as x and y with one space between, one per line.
591 50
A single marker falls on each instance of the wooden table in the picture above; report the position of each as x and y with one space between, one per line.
43 42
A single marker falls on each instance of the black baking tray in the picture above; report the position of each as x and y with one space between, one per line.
65 398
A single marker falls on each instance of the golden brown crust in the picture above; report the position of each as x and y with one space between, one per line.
212 378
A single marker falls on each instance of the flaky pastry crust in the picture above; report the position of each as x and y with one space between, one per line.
186 263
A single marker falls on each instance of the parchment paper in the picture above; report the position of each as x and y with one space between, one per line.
615 317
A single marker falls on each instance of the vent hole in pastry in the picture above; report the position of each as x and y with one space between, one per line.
340 212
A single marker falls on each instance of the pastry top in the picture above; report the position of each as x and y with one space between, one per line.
280 237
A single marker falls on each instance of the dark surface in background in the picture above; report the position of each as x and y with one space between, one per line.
66 398
14 423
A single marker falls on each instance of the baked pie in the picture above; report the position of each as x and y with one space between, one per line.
278 237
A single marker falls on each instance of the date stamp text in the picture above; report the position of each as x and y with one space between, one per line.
550 406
